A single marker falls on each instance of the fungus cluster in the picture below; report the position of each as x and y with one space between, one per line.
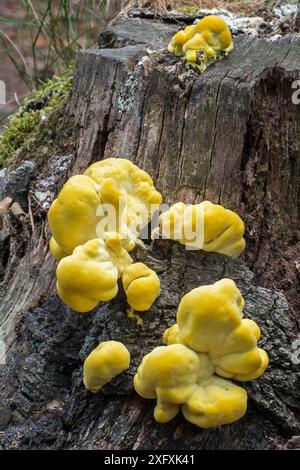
222 230
96 222
210 339
208 40
113 195
90 274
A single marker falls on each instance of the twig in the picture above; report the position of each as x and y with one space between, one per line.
38 202
17 99
16 49
41 235
31 216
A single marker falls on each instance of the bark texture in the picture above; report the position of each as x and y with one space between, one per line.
50 382
231 135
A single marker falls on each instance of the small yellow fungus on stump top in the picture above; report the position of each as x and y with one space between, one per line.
208 40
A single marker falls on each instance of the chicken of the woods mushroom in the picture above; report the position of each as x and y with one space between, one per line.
209 344
207 41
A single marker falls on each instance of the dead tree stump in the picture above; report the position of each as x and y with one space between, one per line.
231 135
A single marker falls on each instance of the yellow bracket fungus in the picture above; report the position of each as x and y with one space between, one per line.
95 221
112 195
141 285
210 320
105 362
222 230
178 378
91 273
208 40
72 216
210 337
57 252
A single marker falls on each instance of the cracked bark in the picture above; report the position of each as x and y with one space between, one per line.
231 134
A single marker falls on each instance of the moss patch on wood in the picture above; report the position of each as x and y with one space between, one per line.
34 116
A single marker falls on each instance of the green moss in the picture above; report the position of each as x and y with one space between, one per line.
24 126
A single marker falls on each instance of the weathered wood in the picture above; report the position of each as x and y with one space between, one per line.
59 340
230 135
140 32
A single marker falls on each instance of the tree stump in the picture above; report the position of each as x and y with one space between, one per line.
230 135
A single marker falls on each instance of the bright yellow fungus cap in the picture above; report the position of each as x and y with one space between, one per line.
90 274
216 31
56 250
141 285
112 195
205 226
130 191
223 230
203 41
72 216
210 320
178 378
215 402
105 362
210 337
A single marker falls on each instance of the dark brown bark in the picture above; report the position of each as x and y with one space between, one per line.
50 394
231 135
